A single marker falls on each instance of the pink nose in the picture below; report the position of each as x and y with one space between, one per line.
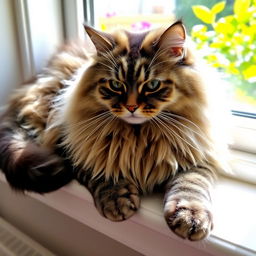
131 108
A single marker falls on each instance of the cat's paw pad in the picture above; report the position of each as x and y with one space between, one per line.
118 202
189 220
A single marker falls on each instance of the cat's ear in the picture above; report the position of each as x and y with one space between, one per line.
173 40
103 42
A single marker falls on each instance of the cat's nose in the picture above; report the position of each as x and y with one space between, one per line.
131 108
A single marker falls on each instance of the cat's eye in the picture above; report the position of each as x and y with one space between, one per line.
103 80
153 85
115 85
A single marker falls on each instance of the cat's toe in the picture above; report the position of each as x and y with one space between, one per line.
189 220
119 203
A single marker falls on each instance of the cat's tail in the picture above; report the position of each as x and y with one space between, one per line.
29 166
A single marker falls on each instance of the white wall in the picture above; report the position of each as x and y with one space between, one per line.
10 68
46 30
45 34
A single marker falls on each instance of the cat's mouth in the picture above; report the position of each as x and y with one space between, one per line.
134 119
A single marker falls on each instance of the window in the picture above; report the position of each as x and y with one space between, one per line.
39 27
224 38
209 24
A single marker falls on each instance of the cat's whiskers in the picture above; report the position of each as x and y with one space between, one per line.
107 125
172 135
82 129
187 136
175 133
89 119
163 132
108 55
97 127
91 123
158 53
170 120
154 123
159 63
109 68
111 58
182 118
91 134
156 56
105 70
84 126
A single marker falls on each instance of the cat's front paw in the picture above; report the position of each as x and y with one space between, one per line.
118 202
188 219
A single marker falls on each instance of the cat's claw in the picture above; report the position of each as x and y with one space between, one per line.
189 220
119 202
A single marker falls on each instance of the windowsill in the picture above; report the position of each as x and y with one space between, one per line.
235 212
234 232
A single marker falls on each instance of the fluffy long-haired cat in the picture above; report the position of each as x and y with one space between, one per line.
130 117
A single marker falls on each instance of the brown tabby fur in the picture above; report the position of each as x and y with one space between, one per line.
65 104
161 151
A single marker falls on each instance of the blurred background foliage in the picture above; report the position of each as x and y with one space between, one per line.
225 33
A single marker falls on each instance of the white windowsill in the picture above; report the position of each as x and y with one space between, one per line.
147 232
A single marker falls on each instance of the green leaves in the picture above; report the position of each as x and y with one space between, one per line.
250 72
203 13
219 7
225 25
241 10
208 15
228 43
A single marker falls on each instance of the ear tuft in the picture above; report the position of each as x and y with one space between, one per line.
173 39
103 42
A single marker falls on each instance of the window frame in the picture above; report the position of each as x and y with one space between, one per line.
244 133
34 56
73 19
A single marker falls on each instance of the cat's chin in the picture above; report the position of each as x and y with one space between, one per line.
134 119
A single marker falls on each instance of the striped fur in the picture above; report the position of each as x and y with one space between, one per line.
129 117
187 203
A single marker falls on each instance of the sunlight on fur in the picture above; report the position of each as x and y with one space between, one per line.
129 116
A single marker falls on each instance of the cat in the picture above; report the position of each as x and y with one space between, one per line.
122 120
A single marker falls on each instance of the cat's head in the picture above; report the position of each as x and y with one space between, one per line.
136 76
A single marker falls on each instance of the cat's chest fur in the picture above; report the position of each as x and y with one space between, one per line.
141 154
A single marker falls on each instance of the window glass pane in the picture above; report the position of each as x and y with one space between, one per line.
134 15
224 32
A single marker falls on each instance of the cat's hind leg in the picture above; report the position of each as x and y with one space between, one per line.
29 166
187 204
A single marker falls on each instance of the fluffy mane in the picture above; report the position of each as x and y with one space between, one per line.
132 114
146 154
